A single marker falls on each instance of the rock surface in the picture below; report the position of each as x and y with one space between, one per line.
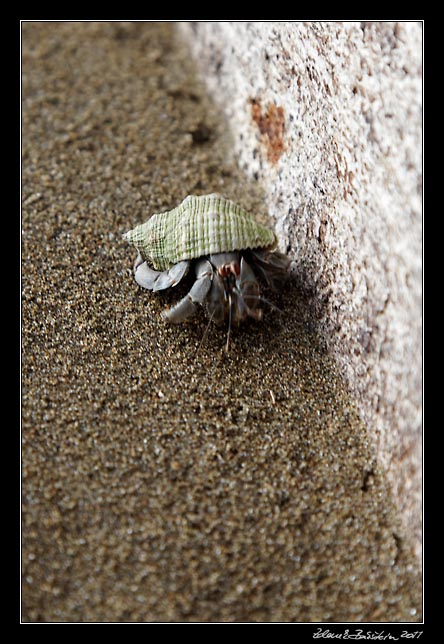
327 118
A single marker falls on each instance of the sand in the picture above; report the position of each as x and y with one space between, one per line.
162 483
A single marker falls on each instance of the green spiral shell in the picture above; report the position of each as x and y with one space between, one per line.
200 225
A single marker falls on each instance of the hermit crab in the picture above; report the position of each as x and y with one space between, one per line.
225 247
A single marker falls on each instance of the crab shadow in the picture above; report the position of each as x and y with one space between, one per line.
286 323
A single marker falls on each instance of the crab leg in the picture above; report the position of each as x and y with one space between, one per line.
248 293
197 294
273 266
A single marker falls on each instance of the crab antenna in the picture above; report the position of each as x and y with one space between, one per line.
229 322
205 333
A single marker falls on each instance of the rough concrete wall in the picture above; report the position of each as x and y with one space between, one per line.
327 117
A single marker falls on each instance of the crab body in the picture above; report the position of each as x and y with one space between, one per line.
222 242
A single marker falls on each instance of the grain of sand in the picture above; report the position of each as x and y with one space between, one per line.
161 485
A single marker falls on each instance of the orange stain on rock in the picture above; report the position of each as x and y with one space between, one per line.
271 126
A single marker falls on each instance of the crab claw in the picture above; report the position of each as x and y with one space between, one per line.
157 281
